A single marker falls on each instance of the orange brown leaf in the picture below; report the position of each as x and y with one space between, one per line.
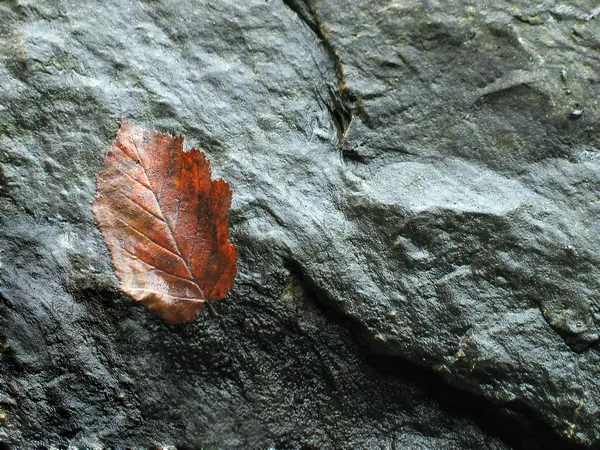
165 223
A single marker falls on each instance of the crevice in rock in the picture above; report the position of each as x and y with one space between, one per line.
514 423
339 102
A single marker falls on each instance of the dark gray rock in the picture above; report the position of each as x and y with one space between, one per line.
415 208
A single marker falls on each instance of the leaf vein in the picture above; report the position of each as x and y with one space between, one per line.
166 222
134 179
196 299
161 270
162 219
146 236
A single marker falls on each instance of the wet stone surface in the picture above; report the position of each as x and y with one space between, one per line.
415 207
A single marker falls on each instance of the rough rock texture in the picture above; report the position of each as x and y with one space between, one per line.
416 206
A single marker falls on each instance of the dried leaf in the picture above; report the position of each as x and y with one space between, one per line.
165 223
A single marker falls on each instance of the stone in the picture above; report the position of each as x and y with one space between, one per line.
415 211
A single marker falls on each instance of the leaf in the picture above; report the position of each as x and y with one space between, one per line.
165 223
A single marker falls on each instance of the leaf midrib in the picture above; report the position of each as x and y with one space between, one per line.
164 220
